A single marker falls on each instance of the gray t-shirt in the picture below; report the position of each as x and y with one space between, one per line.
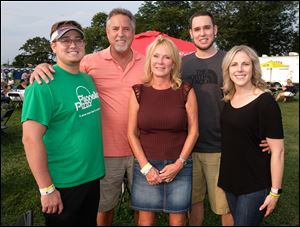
206 77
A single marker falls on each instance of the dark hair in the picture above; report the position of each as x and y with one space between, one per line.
201 13
125 12
64 23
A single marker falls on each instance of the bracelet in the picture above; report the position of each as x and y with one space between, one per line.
146 168
183 161
274 195
48 190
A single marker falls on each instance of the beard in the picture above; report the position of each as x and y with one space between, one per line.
205 48
121 49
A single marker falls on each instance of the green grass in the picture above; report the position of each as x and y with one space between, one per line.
19 191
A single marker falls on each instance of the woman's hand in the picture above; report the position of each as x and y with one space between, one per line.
169 172
153 176
269 203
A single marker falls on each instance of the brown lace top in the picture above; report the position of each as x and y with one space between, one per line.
162 120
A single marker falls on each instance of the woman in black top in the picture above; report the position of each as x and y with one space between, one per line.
251 179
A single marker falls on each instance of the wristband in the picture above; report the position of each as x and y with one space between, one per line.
274 195
48 190
276 190
183 161
146 168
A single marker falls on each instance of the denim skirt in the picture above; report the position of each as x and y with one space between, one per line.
172 197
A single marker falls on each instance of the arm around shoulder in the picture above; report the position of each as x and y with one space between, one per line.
43 71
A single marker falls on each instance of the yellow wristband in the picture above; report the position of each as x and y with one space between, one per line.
47 190
274 195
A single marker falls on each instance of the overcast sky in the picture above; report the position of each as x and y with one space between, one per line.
23 20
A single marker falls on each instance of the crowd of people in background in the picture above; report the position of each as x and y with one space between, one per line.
12 79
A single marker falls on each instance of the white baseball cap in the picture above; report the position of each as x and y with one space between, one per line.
63 30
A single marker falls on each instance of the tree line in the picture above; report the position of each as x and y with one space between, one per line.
270 27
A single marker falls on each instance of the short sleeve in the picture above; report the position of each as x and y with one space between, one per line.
270 118
137 88
38 104
186 87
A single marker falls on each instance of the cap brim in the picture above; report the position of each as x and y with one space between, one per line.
60 32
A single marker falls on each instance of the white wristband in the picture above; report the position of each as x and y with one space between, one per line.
146 168
48 190
183 161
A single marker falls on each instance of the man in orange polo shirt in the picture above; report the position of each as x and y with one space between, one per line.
114 71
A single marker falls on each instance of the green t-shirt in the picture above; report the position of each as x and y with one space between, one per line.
70 108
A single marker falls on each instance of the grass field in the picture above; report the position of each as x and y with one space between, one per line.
19 192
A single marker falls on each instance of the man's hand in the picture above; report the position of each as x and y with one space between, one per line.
52 203
264 144
43 71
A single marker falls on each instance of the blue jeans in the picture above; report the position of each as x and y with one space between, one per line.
245 208
172 197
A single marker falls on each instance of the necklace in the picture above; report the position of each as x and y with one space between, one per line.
205 57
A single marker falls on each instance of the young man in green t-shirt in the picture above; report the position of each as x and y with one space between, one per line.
62 134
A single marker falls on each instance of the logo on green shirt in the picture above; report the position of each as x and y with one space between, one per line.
85 98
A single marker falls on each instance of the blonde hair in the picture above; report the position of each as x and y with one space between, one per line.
257 81
173 54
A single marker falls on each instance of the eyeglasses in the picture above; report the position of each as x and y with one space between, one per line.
66 42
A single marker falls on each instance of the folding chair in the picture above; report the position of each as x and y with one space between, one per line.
6 116
25 219
15 98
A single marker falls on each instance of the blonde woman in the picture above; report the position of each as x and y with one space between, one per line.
251 179
162 130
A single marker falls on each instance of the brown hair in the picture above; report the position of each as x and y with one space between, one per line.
289 81
125 12
201 13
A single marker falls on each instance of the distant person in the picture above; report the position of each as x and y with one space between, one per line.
22 85
10 81
162 130
10 74
251 179
25 75
287 91
4 90
62 134
3 76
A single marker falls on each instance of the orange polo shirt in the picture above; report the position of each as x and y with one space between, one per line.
114 87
